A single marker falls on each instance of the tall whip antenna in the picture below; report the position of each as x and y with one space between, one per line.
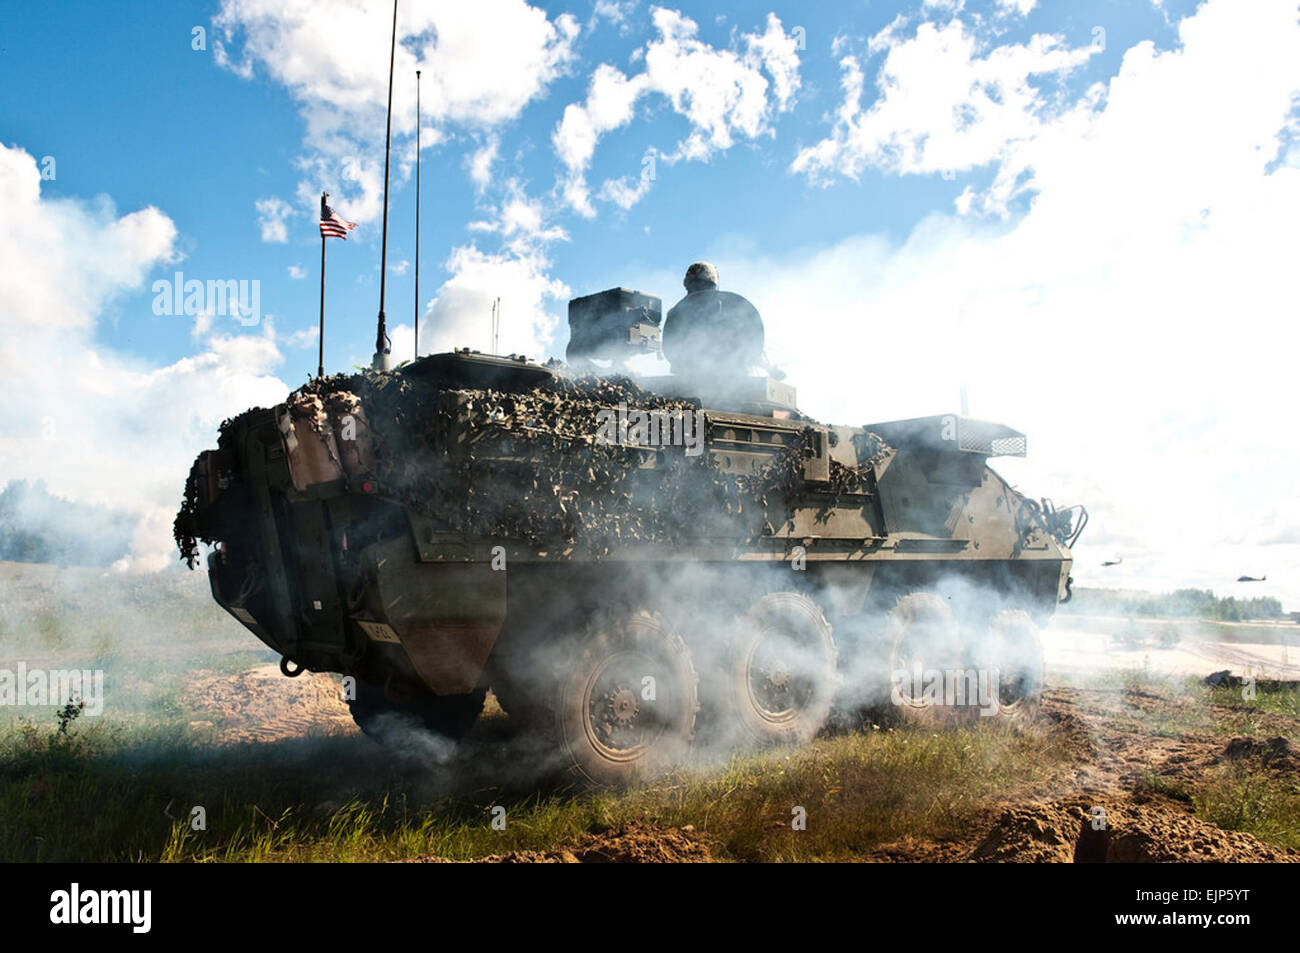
417 214
380 361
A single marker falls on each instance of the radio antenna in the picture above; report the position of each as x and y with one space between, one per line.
417 215
496 324
382 348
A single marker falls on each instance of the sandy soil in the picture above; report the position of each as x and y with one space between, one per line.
1114 754
1084 645
638 844
262 705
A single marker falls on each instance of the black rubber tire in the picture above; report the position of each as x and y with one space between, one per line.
606 728
449 716
922 630
782 654
1016 651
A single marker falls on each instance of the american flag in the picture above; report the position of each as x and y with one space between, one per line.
332 225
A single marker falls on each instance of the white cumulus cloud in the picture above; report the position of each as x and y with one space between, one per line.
947 101
1137 320
271 215
460 313
724 94
333 58
107 428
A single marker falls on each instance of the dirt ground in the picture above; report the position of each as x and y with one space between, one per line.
1114 757
638 844
1107 730
262 705
1083 645
1057 825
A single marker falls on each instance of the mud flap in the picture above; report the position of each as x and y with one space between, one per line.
447 616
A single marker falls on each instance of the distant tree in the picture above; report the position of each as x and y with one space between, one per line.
1181 604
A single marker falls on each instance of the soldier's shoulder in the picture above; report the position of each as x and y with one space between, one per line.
693 302
737 307
730 297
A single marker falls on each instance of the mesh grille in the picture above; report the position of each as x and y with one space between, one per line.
1009 447
978 436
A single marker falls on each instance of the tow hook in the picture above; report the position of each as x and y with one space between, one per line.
286 671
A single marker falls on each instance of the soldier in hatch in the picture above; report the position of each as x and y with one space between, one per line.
711 334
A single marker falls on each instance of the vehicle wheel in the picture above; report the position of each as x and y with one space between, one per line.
1016 652
925 643
381 718
780 676
627 701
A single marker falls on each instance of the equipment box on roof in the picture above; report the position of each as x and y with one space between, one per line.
610 324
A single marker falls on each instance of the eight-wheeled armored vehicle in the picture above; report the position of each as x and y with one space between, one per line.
630 567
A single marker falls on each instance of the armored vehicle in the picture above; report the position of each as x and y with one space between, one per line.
629 567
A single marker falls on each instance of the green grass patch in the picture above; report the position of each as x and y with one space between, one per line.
1254 800
105 791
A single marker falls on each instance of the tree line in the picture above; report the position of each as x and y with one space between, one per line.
1180 604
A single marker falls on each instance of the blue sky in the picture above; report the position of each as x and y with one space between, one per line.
116 94
1076 208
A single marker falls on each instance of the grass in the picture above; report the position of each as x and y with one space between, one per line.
1240 797
1225 712
1284 702
121 787
103 792
1256 801
1232 795
1187 705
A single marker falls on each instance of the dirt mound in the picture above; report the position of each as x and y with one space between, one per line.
262 705
1042 833
635 844
1135 832
1156 834
1058 716
641 845
919 850
1270 753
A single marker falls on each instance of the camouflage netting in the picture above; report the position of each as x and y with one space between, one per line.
534 469
185 526
529 466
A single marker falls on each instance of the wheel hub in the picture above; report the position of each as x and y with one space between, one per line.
778 675
616 718
622 706
776 689
617 722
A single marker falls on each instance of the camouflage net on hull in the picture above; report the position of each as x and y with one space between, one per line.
533 466
185 527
